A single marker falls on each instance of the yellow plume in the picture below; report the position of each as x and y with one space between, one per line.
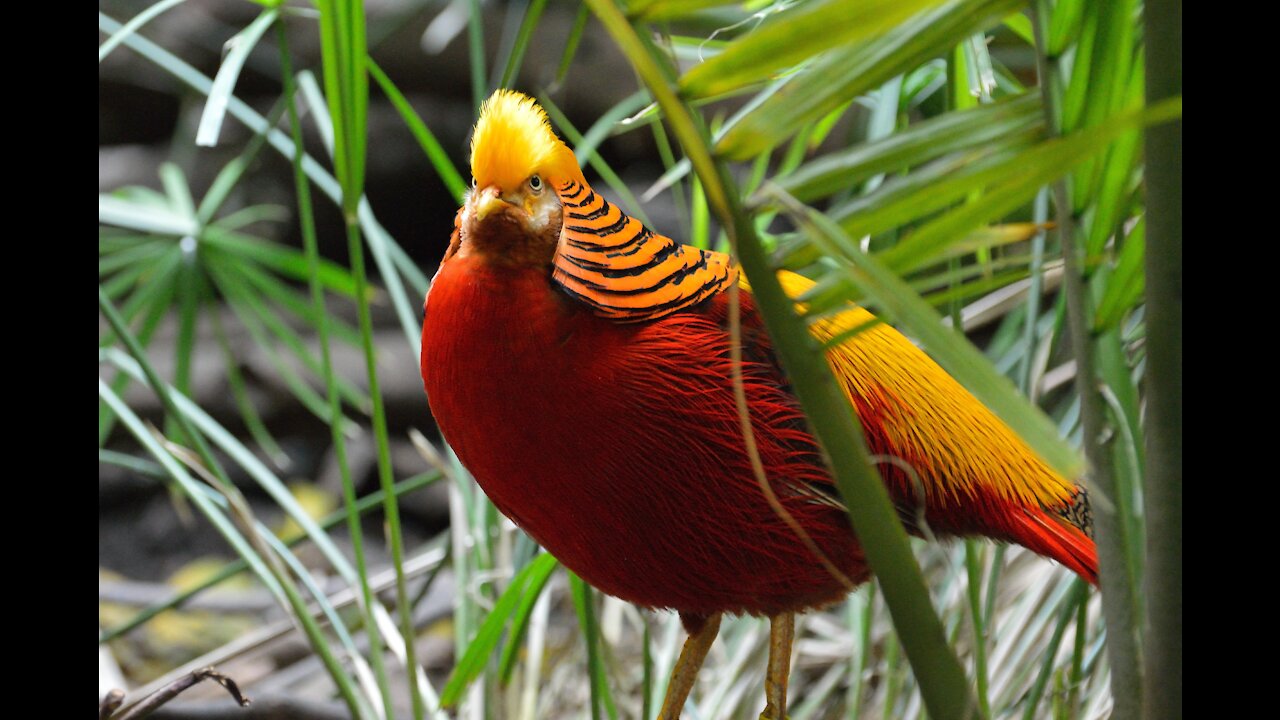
513 140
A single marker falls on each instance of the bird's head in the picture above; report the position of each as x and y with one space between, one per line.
513 213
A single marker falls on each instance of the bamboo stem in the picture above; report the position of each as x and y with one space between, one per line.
312 249
1163 481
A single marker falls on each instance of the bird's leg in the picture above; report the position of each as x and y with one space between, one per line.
702 632
782 630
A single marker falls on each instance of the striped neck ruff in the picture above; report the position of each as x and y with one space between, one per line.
624 271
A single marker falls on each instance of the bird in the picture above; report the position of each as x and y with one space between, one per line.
580 366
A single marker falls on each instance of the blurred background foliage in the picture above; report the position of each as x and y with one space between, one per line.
273 497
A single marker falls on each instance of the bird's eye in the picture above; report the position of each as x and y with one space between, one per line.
535 184
474 183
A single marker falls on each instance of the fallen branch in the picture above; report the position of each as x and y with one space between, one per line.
152 702
265 707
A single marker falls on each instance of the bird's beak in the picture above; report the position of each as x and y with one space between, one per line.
489 202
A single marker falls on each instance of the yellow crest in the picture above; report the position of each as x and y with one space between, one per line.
513 140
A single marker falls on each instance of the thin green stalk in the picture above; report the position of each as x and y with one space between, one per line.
993 583
973 563
475 37
1163 478
646 682
392 509
668 161
943 684
355 529
1119 597
346 87
1077 658
532 14
584 603
858 663
571 43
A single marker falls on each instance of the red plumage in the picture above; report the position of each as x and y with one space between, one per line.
580 366
555 411
619 448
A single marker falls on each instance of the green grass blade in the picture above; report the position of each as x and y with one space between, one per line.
537 581
571 43
129 276
134 24
315 283
481 647
436 154
123 213
1162 486
973 565
224 83
1020 25
833 79
585 149
1005 123
190 284
1019 176
1125 286
344 55
584 604
376 238
140 257
793 36
1065 24
283 259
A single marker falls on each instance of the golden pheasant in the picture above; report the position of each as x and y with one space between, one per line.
579 364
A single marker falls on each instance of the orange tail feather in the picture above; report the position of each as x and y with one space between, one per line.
1045 534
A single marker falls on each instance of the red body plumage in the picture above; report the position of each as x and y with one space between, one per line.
618 447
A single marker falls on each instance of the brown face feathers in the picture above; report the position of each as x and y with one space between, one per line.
507 236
